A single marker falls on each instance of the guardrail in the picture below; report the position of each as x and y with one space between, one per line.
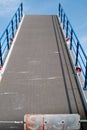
75 46
7 37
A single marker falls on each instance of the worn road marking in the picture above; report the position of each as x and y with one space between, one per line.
8 93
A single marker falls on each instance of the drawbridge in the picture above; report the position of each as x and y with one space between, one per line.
43 71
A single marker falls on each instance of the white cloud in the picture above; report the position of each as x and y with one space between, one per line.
83 26
7 7
83 40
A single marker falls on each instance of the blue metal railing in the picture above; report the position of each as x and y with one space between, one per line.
9 33
75 46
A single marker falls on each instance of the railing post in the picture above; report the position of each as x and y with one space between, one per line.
59 9
7 38
16 21
12 29
19 14
21 9
64 21
67 28
1 55
77 51
85 84
61 15
71 39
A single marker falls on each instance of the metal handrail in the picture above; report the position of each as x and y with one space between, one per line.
75 45
9 33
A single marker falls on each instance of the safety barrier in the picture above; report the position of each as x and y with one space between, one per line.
75 46
8 35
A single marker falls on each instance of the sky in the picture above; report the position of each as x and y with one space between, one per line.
76 11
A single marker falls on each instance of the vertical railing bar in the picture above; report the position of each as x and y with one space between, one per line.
19 14
67 28
61 14
21 9
85 83
59 9
71 39
77 52
16 21
7 38
1 55
64 21
12 28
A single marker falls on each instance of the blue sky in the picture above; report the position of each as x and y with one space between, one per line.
76 11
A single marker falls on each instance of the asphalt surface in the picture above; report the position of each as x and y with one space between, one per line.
38 78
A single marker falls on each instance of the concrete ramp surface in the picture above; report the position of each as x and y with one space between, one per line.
38 78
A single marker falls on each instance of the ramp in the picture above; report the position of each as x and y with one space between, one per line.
39 78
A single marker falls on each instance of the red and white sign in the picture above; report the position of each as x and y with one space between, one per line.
11 39
67 40
0 68
78 69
